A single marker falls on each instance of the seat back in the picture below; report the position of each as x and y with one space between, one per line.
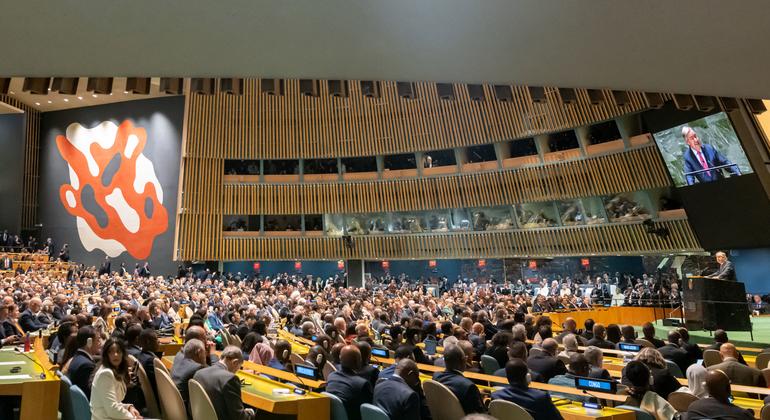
674 369
200 403
489 364
295 359
153 411
564 358
762 360
159 365
235 341
372 412
765 413
328 369
681 400
171 402
225 337
644 343
442 403
711 357
65 399
81 409
506 410
640 414
338 409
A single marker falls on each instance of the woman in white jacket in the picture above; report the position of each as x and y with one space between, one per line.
109 385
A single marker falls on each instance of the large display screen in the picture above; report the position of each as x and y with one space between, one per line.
702 151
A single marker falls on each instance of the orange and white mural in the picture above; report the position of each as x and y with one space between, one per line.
133 187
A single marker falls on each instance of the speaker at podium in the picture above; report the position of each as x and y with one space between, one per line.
711 304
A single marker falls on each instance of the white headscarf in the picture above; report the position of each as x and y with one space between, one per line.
696 378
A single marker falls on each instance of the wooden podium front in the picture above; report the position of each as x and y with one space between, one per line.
712 304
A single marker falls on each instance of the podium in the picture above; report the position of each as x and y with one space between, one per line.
711 304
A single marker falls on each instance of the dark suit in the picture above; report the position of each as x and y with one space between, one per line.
710 408
599 373
370 373
182 371
397 399
602 344
546 366
740 374
658 343
80 370
387 372
694 352
537 403
465 390
147 360
352 389
30 322
713 158
224 390
725 271
677 355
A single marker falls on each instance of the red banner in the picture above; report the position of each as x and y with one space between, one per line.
340 265
432 263
482 263
257 266
585 262
533 265
297 266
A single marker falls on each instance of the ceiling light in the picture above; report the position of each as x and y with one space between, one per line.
50 102
95 95
13 93
138 85
65 85
66 100
100 85
37 103
125 92
80 97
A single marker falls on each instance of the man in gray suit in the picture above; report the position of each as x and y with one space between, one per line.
192 359
739 374
726 271
223 387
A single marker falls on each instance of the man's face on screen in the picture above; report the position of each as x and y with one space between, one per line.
693 141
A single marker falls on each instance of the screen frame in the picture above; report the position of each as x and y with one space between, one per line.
375 350
613 386
638 347
313 369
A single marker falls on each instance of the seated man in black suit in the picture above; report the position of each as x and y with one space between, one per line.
588 332
352 389
717 405
537 403
401 353
595 358
600 338
545 363
463 388
185 367
674 353
81 366
396 395
148 342
223 387
29 319
570 327
648 330
367 371
694 351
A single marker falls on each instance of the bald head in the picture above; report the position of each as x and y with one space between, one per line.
728 350
570 324
550 346
195 332
718 385
350 358
407 370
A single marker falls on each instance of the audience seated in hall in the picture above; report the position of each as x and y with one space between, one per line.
352 389
640 394
738 373
717 405
396 395
463 388
223 387
537 403
545 363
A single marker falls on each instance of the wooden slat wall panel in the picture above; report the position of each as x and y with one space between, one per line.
602 175
31 176
614 239
291 126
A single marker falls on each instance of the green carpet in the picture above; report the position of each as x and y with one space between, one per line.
739 338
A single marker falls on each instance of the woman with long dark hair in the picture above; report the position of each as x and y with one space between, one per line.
109 385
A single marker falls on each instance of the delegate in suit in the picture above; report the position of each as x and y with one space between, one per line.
726 271
699 158
223 387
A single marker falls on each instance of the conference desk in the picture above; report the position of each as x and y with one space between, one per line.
35 383
576 411
258 392
621 315
170 345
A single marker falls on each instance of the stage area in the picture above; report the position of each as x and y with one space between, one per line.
739 338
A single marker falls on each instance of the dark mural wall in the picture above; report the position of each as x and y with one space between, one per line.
109 181
12 161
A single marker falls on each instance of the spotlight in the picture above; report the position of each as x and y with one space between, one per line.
172 85
5 83
620 97
231 86
370 88
705 103
338 88
446 91
503 93
102 85
203 86
568 96
405 90
596 96
138 85
65 85
36 85
684 102
654 100
476 92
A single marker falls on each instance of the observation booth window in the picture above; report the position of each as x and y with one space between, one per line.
492 218
628 207
334 225
537 215
408 222
242 167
